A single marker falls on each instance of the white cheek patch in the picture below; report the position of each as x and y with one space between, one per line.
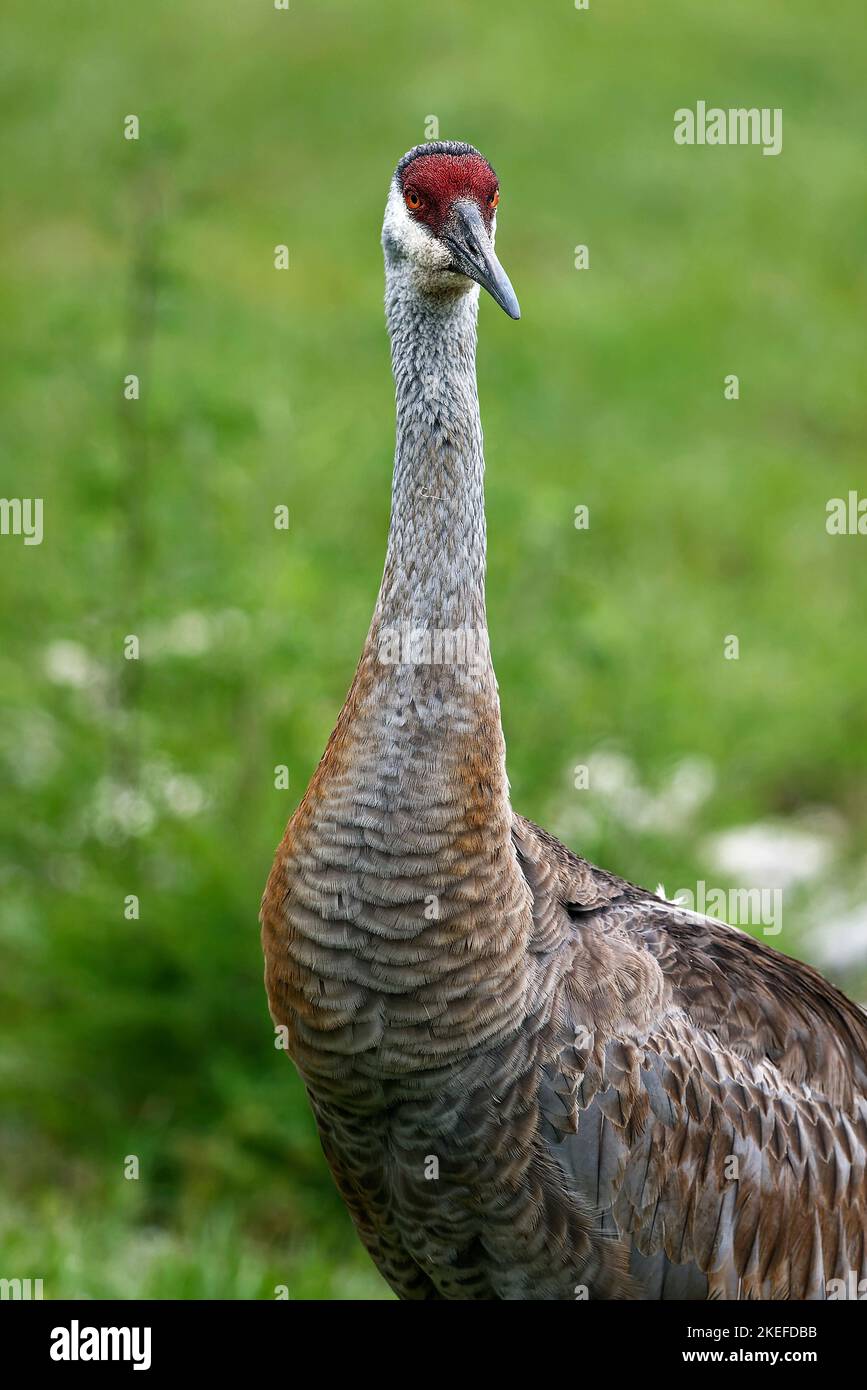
407 238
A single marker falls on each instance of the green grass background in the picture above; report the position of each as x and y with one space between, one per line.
258 127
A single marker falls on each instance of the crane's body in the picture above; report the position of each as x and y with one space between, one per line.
531 1079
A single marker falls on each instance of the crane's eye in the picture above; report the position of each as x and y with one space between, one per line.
412 198
494 198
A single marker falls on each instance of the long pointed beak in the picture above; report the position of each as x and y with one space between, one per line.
469 243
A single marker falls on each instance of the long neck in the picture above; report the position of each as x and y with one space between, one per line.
434 574
405 831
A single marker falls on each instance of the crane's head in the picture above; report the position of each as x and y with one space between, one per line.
440 222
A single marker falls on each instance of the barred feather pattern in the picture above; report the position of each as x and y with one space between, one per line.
601 1127
724 1137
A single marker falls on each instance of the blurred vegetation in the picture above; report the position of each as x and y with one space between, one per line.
261 388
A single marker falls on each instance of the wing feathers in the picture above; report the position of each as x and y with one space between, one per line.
709 1093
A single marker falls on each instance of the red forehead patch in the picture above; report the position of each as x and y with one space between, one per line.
437 180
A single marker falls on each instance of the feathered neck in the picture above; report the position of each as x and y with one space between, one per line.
434 577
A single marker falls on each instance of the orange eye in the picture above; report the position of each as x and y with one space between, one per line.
494 198
412 199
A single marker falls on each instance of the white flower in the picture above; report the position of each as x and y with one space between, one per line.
769 854
69 663
183 795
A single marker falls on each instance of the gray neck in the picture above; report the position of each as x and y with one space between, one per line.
435 564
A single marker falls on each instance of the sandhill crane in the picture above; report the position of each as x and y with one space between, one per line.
531 1078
